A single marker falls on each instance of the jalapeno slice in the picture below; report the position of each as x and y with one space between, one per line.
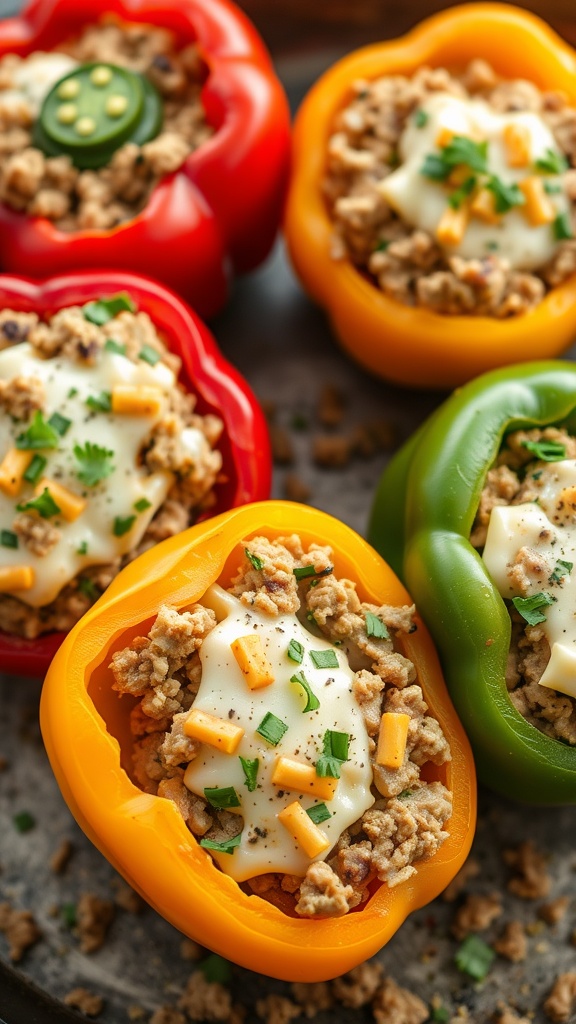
95 109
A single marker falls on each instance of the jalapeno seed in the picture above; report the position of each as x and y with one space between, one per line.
67 113
68 90
85 126
101 75
116 105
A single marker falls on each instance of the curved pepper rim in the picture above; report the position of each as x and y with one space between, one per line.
113 812
408 345
219 386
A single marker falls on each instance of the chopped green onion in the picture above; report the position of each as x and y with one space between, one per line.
375 627
312 703
295 651
122 524
115 346
460 150
227 846
44 505
82 548
35 469
335 753
250 768
421 117
101 402
24 821
561 569
474 957
272 729
562 227
318 813
547 451
95 463
60 423
8 539
505 196
38 435
492 245
255 562
435 167
69 914
149 355
221 797
142 504
552 162
72 393
101 311
529 607
309 570
324 659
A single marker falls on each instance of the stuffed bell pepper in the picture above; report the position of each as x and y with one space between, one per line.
252 726
478 515
120 424
147 137
432 209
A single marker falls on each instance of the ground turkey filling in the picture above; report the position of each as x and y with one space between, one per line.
511 482
76 200
407 263
406 822
69 339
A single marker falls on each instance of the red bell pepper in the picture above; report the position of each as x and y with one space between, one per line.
218 213
219 388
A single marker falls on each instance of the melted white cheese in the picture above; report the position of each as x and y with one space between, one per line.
34 77
223 692
67 386
548 530
421 201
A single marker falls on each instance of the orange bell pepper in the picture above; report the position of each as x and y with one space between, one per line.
409 345
86 731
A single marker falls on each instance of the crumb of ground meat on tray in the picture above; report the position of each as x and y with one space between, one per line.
522 480
65 442
314 630
437 218
47 184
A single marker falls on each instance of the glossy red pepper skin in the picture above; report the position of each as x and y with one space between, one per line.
220 389
218 214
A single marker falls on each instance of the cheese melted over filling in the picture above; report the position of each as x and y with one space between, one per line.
265 844
67 386
422 202
33 79
548 531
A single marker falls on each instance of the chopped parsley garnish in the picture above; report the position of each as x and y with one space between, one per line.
460 150
149 355
100 403
529 607
72 393
35 469
255 562
60 423
227 846
492 245
39 435
552 189
474 957
101 311
375 627
142 504
8 539
68 914
562 227
216 969
335 753
457 197
114 346
24 821
221 797
505 196
122 524
421 117
404 794
295 651
250 768
324 659
439 1014
95 463
318 813
547 451
312 703
44 505
82 548
560 570
552 162
304 571
272 729
87 587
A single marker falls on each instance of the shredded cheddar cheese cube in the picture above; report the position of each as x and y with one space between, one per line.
16 577
301 827
483 206
216 732
538 208
452 225
71 505
444 137
252 661
302 778
130 400
12 469
517 143
392 739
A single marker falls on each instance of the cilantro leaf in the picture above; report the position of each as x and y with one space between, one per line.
44 505
529 607
375 627
457 197
100 403
38 435
100 311
505 196
95 464
335 753
552 162
122 524
421 117
221 797
562 227
474 957
560 570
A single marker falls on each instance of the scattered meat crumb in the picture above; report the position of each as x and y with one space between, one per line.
554 911
395 1005
281 443
331 452
205 1000
505 1015
127 899
276 1009
85 1001
531 880
560 1003
469 870
312 997
94 916
20 929
331 406
167 1015
359 986
476 914
512 943
61 856
190 950
295 489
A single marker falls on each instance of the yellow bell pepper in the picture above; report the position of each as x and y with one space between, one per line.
407 345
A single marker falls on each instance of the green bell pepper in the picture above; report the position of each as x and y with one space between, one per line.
421 521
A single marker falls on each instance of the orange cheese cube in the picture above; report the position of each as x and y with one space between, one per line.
12 469
392 739
301 827
517 144
16 577
130 400
214 731
452 225
252 661
483 206
538 208
444 137
71 505
302 778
